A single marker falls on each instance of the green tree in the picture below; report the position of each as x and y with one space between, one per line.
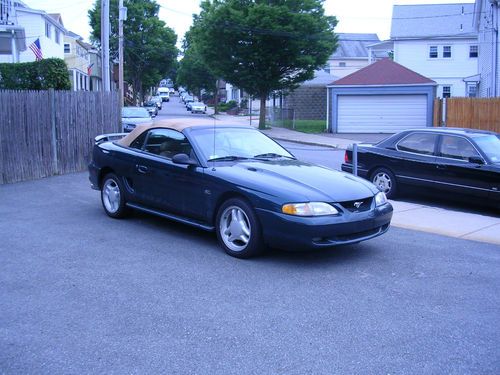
264 45
193 73
149 45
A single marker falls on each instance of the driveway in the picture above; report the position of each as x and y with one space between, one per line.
83 293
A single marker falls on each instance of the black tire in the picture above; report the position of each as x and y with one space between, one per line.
385 181
113 196
248 242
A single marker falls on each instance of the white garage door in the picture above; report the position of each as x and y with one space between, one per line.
381 113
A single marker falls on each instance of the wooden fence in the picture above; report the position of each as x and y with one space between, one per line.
43 133
475 113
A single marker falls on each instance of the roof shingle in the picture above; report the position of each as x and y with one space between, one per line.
384 72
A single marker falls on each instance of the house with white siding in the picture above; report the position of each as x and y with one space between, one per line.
440 42
486 14
20 26
354 51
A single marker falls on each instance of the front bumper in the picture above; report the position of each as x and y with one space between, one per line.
94 173
305 233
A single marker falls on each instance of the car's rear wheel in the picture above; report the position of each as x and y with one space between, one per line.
112 196
385 180
238 229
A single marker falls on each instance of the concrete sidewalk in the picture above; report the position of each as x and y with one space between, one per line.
453 223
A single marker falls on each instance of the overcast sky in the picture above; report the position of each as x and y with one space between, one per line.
360 16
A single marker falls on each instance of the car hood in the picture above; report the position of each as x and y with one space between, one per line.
294 180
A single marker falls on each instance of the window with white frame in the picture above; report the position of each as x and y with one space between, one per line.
446 52
67 48
58 37
433 52
473 51
446 91
472 91
48 30
342 64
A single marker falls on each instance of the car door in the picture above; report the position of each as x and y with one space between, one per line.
456 171
416 158
165 185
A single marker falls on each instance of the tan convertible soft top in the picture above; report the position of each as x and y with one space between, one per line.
178 124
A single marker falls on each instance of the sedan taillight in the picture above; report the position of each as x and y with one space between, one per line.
346 157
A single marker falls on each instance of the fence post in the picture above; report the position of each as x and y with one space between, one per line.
52 106
444 109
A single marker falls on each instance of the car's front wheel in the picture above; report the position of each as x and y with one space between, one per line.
112 196
238 229
385 180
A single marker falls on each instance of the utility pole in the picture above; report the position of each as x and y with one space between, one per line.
105 44
122 16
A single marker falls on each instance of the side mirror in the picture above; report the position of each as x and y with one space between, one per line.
476 160
183 159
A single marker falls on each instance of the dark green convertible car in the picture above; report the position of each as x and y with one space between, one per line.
238 182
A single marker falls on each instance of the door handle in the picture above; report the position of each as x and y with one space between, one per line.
440 166
141 168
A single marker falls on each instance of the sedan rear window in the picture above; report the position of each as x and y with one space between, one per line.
418 143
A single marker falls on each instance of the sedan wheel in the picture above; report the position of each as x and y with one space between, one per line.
385 181
238 230
112 197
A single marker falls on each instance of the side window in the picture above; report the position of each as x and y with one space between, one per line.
139 141
167 143
433 52
446 51
418 143
456 148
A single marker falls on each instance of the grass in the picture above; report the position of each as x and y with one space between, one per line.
306 126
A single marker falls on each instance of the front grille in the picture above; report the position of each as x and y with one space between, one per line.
358 205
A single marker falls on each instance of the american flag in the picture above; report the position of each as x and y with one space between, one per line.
37 50
89 69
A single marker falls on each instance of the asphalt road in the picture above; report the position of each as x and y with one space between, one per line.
83 293
176 109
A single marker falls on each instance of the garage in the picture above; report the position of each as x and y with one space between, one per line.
384 97
386 113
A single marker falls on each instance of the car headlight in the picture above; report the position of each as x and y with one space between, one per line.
309 209
380 199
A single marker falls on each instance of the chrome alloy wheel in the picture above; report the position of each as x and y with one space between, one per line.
383 181
111 196
235 228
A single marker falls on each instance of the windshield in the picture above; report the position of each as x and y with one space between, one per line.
133 112
236 144
149 104
490 145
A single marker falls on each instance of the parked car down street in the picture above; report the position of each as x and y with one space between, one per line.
448 160
158 101
237 182
151 107
131 116
198 107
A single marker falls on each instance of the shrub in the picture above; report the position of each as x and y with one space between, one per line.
39 75
223 107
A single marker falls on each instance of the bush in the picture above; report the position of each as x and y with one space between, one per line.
39 75
224 107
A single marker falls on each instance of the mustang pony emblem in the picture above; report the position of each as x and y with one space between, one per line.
357 204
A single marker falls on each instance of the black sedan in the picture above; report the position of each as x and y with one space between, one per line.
236 181
451 160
